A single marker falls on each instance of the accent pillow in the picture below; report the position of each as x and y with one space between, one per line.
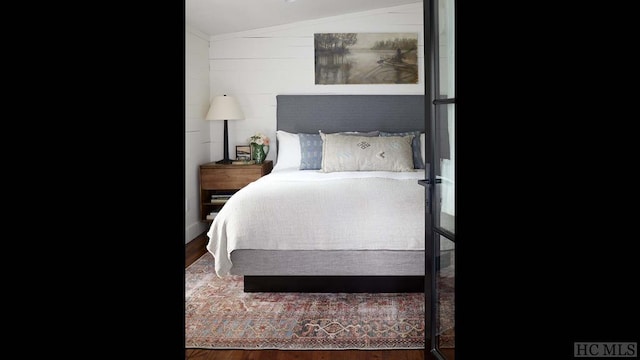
310 151
288 151
415 146
311 148
364 153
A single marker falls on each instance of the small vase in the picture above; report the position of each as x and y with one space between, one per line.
259 152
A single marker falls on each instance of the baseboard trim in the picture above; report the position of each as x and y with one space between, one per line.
195 248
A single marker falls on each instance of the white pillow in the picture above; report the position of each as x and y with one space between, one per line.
423 149
288 151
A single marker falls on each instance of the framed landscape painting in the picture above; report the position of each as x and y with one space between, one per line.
366 58
243 152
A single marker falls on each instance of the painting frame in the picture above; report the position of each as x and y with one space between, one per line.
243 152
366 58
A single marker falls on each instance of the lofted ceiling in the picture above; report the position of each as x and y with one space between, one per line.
216 17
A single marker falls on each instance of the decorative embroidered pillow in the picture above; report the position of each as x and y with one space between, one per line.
363 153
415 146
311 148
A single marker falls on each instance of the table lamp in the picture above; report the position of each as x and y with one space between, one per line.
224 108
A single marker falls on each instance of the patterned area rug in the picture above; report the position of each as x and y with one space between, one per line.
219 315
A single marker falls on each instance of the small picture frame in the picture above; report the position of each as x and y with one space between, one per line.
243 152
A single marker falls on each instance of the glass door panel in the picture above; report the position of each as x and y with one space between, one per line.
446 294
445 116
441 178
446 48
445 171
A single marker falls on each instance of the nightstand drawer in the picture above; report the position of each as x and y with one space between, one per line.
222 179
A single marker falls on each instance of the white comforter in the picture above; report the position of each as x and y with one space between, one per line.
310 210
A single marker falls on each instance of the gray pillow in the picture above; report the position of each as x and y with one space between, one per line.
415 146
310 151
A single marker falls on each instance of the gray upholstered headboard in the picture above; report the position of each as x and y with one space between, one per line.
334 113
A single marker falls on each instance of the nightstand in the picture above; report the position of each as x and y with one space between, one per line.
219 181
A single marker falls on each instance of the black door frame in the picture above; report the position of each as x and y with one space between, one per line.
432 243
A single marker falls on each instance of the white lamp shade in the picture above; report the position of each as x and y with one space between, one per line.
224 108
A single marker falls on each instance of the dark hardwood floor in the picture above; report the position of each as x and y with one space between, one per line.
304 355
196 248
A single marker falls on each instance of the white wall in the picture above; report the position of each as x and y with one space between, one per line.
255 66
197 134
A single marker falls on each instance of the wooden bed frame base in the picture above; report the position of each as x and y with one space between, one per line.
335 284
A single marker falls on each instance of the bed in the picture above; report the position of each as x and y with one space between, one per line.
332 222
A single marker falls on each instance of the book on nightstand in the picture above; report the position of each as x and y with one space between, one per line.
220 199
243 162
212 216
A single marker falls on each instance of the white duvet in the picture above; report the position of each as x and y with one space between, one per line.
310 210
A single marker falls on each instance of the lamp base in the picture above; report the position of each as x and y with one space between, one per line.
225 158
